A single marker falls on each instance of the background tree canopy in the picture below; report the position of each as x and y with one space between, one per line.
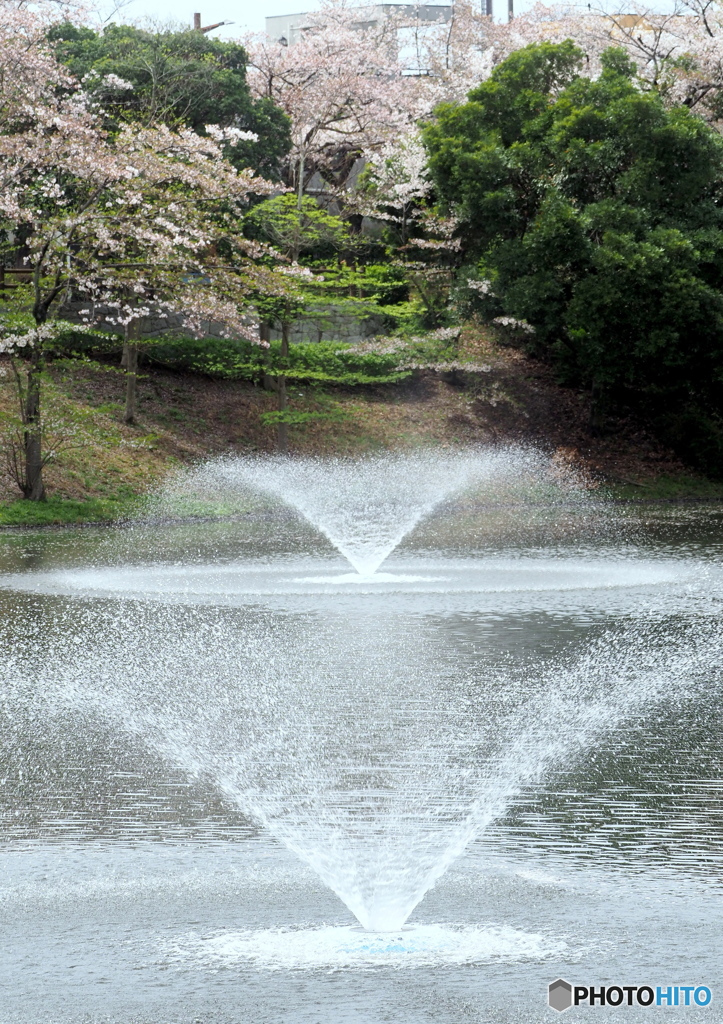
594 212
181 79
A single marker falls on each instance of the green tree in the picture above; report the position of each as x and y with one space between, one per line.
180 79
329 276
295 225
593 213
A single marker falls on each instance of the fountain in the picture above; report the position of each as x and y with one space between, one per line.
376 731
367 507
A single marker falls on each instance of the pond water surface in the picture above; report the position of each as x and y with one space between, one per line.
209 731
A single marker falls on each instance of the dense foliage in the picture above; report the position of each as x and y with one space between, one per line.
324 362
180 79
593 213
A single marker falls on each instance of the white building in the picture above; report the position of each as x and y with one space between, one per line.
290 28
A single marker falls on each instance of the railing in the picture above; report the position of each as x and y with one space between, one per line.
16 275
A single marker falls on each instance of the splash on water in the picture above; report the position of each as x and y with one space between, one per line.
357 740
340 948
356 578
491 579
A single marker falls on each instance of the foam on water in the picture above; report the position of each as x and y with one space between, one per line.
344 948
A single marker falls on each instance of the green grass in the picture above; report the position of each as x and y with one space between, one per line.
62 511
178 508
669 488
70 512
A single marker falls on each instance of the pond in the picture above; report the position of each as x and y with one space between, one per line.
241 782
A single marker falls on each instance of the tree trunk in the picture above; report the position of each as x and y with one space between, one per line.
281 389
267 379
130 357
300 188
597 421
34 488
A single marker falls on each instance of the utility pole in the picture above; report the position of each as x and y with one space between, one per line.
197 27
488 8
510 9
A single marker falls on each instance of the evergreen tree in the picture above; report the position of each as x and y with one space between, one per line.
594 213
180 79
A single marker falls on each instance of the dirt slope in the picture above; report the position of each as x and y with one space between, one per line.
185 417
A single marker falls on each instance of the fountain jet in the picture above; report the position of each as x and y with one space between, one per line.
367 506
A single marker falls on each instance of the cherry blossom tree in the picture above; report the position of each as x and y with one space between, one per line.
146 222
394 185
358 89
28 69
355 92
677 53
341 85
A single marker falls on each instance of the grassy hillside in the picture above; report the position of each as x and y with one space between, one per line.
185 417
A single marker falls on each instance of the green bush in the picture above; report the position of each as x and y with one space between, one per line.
324 362
177 77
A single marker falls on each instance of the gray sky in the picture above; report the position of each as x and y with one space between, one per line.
247 15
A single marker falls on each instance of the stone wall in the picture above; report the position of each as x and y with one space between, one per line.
320 323
152 326
333 323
